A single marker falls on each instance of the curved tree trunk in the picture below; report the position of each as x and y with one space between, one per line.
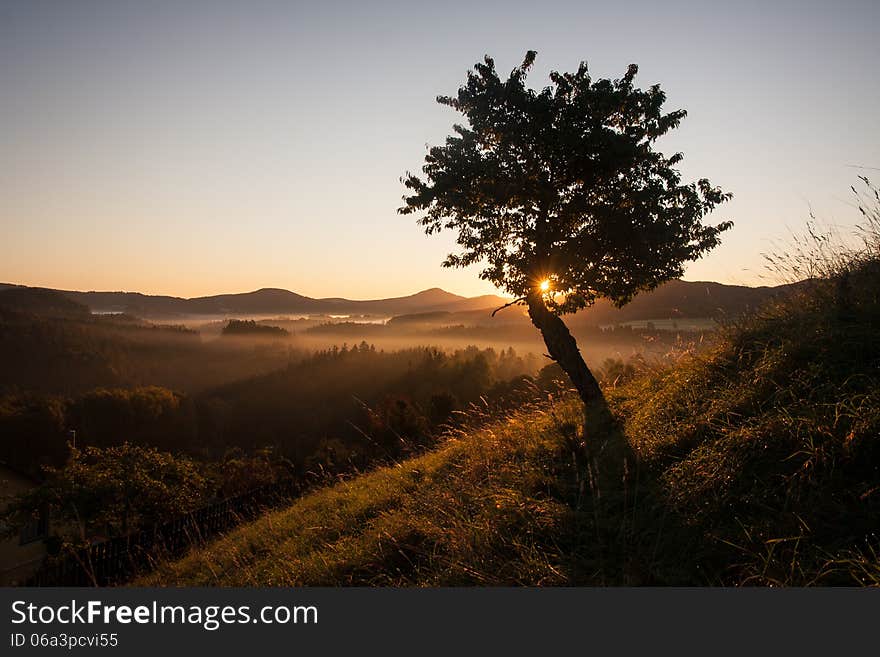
563 349
603 441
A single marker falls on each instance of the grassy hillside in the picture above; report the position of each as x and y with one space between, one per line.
757 461
765 449
485 508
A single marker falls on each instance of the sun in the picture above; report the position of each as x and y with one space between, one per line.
545 285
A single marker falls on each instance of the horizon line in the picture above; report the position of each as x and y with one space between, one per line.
317 298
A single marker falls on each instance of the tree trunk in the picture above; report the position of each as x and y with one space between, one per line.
563 349
603 441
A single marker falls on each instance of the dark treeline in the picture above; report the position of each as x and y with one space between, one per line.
355 403
341 393
336 411
249 327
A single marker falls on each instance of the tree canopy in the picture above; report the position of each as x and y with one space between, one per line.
563 186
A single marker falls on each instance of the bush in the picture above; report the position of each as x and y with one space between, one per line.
114 490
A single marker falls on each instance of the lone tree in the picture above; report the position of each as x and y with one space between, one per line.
563 196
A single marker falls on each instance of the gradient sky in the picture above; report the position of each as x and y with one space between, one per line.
193 148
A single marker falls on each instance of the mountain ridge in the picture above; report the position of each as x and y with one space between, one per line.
671 300
267 301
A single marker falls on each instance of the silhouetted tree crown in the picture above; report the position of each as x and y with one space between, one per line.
564 185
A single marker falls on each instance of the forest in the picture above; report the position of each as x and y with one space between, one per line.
90 404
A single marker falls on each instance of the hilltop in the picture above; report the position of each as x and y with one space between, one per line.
673 300
40 301
278 301
756 461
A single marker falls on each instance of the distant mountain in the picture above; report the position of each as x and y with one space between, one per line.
267 301
673 300
679 299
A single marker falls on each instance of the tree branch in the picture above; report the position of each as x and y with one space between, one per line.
508 305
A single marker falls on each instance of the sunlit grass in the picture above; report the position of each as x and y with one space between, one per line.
472 512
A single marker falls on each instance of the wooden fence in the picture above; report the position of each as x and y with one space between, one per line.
116 560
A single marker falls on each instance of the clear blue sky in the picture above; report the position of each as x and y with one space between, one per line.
199 147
